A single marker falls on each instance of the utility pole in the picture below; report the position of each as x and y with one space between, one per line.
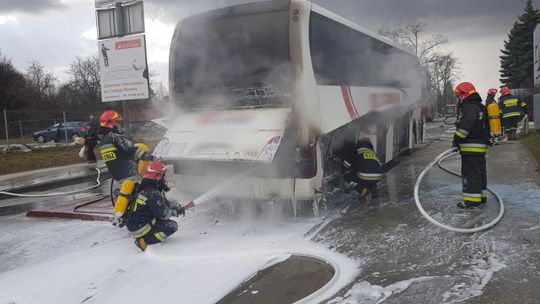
121 31
7 132
65 127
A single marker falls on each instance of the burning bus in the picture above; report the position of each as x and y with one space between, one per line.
271 89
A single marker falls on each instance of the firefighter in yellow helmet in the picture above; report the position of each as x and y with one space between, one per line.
121 156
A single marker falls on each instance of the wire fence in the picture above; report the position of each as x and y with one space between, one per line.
38 127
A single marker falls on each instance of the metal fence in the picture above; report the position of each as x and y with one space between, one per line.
19 127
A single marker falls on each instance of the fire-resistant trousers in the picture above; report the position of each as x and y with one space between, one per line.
160 231
510 124
474 177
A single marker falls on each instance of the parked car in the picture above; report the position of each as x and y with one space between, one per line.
56 132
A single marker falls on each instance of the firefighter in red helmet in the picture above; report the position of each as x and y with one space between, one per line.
149 215
491 96
121 157
512 112
472 139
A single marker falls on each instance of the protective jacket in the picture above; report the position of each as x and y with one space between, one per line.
149 207
362 166
121 155
511 107
472 127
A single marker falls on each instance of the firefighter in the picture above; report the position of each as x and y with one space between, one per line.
121 157
494 115
148 216
512 112
491 96
472 139
362 169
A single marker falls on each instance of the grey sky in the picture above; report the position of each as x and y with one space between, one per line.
55 31
34 6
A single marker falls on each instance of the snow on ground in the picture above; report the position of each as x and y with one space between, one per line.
69 261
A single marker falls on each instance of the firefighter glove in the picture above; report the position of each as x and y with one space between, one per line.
178 209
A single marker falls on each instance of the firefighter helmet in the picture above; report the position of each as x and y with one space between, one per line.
492 92
505 91
155 170
109 119
464 90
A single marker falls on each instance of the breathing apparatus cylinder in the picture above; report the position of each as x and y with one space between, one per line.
494 119
128 186
143 164
122 201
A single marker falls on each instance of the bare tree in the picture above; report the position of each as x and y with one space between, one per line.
411 36
160 92
85 81
444 70
41 82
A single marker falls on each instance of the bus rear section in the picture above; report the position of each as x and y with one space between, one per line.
232 84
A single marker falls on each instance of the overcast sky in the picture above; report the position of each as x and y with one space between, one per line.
56 31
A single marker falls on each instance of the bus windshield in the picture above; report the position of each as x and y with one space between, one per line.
223 61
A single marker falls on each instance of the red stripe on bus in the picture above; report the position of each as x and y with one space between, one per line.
348 102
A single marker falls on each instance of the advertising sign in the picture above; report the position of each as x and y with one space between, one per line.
123 69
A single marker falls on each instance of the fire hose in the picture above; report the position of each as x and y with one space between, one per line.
98 183
438 160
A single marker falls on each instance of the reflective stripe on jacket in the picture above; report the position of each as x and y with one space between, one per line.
472 127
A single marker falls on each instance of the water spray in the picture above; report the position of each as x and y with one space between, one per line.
438 160
213 192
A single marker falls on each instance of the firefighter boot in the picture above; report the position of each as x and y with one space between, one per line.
468 205
364 192
141 243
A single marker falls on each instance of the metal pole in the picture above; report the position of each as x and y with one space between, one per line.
20 128
7 132
65 127
127 122
121 31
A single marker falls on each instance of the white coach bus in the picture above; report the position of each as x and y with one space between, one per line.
270 89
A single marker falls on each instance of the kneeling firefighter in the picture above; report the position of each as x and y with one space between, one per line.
121 157
472 138
148 216
362 169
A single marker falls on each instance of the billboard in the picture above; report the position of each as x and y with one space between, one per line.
123 68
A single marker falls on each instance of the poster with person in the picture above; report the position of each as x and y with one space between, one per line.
123 68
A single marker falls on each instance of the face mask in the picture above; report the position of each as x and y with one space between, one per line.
164 186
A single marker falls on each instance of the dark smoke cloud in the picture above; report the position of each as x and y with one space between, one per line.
29 6
479 17
453 18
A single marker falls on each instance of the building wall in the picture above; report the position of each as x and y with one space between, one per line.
537 55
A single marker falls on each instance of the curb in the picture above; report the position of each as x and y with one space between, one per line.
530 156
44 186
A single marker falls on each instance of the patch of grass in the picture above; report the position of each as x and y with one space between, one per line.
19 140
40 159
532 141
50 157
